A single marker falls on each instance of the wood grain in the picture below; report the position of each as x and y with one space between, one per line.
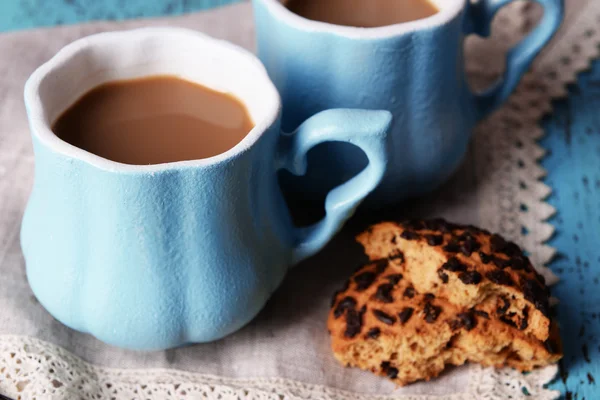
573 165
23 14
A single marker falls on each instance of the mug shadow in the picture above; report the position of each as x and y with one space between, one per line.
464 181
310 285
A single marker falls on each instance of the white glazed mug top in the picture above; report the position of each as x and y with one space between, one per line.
112 56
448 10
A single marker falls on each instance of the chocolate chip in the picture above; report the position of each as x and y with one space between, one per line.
383 317
347 303
455 324
466 249
394 278
452 247
410 235
381 265
440 225
392 372
443 276
482 314
447 227
540 278
409 292
454 265
373 333
470 277
469 246
508 321
518 263
388 370
503 308
434 240
405 314
500 277
512 249
393 239
397 255
354 321
497 243
524 322
384 293
468 320
485 258
465 236
429 296
537 294
364 280
500 262
431 312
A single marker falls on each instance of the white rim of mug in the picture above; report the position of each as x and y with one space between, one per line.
444 15
41 127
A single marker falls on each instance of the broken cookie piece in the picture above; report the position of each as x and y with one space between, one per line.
465 265
441 304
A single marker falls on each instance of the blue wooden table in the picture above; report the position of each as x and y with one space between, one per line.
573 164
22 14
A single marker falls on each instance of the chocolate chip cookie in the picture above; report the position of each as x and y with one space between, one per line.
418 307
467 266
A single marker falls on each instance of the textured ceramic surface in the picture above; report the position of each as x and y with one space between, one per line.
156 256
414 69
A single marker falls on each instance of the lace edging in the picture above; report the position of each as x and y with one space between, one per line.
557 67
32 368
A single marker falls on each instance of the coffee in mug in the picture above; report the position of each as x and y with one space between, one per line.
362 13
154 120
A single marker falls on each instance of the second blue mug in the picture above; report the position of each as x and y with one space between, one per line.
415 70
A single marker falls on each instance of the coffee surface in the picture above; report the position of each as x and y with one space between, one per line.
362 13
154 120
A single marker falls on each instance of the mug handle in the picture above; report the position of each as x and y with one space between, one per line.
367 129
520 57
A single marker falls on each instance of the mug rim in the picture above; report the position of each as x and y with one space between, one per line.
41 127
442 17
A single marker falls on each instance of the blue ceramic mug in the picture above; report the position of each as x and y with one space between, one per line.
155 256
413 69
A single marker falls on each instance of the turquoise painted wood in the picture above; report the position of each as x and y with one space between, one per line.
573 164
23 14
